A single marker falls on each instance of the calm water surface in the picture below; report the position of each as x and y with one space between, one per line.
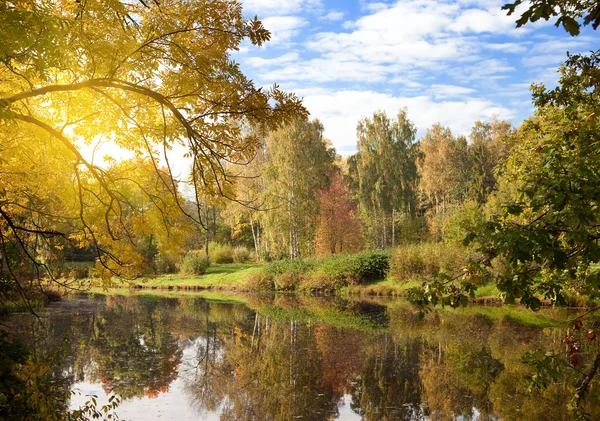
285 358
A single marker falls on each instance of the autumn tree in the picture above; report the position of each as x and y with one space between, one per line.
339 228
444 168
299 158
144 76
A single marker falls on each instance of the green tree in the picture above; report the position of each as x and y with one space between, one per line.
386 173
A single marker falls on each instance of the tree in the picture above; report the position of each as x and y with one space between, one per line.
386 172
445 168
549 233
488 147
299 159
339 228
145 76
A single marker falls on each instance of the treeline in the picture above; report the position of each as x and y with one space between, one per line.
297 198
396 189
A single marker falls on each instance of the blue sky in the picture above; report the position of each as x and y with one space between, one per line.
452 62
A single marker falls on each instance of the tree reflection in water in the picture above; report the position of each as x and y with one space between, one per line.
285 358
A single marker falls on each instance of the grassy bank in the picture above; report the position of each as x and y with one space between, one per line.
218 276
364 274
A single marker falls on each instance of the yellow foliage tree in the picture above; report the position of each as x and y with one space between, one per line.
146 76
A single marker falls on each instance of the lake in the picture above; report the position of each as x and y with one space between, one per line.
194 357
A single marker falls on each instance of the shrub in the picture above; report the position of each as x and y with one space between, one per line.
164 263
354 268
257 281
220 253
194 263
287 282
294 267
425 260
241 254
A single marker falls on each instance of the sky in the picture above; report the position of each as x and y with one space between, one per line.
451 62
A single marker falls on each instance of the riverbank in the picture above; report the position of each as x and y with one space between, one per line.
242 277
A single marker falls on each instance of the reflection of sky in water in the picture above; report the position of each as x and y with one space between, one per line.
174 404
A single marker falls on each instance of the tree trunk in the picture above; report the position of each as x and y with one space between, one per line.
214 216
254 236
207 229
383 230
393 227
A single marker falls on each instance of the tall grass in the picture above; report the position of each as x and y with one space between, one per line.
415 261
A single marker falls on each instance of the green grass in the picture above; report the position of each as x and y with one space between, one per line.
223 276
488 290
217 275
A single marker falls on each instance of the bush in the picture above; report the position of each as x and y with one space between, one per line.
287 275
354 269
194 263
164 263
241 254
257 281
294 267
425 260
220 253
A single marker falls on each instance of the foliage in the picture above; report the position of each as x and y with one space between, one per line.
568 12
90 410
330 273
339 228
194 263
454 171
348 269
300 158
385 173
548 234
295 267
164 263
69 86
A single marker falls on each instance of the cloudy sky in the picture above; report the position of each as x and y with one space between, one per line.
452 62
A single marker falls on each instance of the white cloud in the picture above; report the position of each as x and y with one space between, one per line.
544 60
333 16
508 47
449 91
267 62
340 111
479 21
279 6
283 28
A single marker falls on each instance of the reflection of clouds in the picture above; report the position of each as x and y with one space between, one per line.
346 412
171 405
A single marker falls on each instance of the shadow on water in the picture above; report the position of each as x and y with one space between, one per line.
285 357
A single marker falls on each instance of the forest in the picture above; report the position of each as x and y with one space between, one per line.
136 154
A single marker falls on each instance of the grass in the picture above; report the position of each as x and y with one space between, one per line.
217 276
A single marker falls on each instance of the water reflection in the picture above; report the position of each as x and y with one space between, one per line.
285 358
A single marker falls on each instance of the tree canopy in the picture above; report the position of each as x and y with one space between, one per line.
145 76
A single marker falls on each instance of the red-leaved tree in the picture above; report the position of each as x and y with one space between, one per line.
340 227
